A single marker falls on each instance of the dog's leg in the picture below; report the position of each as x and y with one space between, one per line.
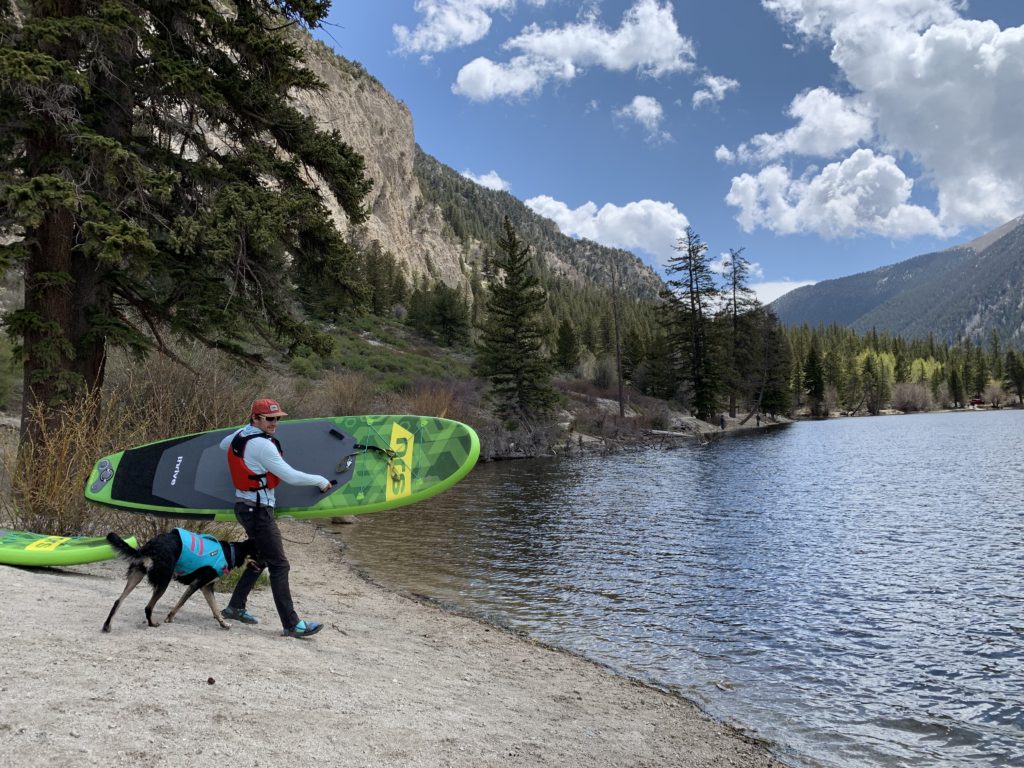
184 599
158 592
134 577
208 594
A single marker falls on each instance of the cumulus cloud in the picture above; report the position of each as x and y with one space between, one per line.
484 80
647 111
647 41
818 18
490 180
826 124
714 90
940 89
724 155
864 194
448 24
649 225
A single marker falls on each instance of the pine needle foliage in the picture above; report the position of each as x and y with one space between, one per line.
690 301
511 351
155 179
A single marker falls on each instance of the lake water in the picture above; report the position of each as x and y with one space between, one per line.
851 590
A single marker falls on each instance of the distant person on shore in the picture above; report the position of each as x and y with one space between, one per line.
257 467
721 420
758 419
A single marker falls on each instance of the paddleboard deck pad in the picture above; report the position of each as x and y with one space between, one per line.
38 549
377 463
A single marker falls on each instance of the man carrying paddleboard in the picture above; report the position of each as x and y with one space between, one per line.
257 467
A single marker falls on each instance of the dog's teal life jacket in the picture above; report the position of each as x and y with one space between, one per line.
198 550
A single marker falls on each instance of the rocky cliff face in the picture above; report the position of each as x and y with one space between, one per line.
407 220
380 128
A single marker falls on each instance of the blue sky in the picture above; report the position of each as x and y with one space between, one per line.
824 137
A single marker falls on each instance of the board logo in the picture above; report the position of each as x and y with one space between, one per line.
399 481
48 544
177 469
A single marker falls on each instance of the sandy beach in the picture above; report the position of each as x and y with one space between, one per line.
390 681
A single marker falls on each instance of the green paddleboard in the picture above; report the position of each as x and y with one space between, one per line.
37 549
377 463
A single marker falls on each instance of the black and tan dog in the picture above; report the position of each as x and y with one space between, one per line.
193 559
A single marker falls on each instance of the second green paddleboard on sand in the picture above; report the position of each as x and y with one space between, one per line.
378 463
38 549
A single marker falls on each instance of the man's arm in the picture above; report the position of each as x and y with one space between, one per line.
267 454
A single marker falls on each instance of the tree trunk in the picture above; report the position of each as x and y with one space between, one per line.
63 355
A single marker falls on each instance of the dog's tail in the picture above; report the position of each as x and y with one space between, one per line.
123 546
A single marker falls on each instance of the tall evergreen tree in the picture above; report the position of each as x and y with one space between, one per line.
875 383
1013 370
814 381
768 385
567 349
957 392
995 355
155 168
689 302
739 301
511 348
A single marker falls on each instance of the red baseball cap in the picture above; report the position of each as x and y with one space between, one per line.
266 407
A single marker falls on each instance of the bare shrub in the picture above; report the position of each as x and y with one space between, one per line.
44 477
213 391
994 393
341 394
605 373
497 441
912 396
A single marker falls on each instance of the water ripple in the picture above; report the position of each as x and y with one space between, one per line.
851 589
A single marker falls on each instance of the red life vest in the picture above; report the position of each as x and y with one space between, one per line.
241 475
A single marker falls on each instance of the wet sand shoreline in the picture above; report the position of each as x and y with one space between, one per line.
393 680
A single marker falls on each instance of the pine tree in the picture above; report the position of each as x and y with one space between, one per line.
1013 370
450 315
814 381
956 386
155 166
740 302
875 383
511 348
768 382
567 349
689 301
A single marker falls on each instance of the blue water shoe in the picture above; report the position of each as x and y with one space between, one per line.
303 629
239 614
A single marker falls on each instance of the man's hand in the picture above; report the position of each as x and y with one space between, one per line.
326 487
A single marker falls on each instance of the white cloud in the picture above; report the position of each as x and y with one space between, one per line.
826 124
490 180
647 111
649 225
864 194
724 155
817 18
647 41
483 80
714 90
448 24
941 89
768 292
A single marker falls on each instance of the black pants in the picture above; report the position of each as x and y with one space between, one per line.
260 525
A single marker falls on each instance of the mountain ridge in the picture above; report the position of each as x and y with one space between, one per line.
406 215
965 291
